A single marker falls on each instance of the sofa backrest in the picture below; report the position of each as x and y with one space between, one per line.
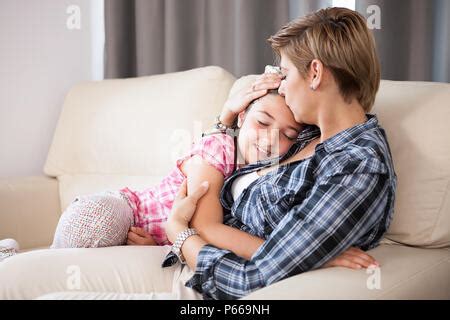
133 128
416 118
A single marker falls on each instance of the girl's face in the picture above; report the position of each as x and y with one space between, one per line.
267 130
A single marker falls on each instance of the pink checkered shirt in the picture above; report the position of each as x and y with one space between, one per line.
152 206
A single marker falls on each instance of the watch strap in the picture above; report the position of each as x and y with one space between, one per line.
181 238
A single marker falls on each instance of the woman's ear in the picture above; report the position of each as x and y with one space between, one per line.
316 74
240 119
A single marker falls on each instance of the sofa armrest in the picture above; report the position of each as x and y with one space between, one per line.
29 210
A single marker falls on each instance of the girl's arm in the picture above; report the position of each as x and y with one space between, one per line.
208 217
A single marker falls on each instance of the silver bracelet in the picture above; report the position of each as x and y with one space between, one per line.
182 236
218 125
6 252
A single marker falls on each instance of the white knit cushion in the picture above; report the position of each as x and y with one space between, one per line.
92 221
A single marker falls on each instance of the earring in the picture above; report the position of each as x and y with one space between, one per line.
311 86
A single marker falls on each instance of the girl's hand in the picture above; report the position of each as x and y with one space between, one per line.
353 258
241 99
183 209
138 236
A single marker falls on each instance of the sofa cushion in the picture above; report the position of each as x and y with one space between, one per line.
135 126
415 116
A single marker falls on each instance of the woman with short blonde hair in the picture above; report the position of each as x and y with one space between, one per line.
340 40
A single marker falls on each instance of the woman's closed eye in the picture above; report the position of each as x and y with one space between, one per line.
291 138
291 135
262 123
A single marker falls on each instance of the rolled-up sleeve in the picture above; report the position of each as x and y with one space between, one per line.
220 274
340 211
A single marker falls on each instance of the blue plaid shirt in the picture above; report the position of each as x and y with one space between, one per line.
308 211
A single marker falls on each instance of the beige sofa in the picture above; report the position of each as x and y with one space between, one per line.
128 132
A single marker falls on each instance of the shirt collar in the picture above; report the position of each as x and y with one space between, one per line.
342 138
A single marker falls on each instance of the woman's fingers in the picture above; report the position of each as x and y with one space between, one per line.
130 243
255 95
265 85
199 192
357 260
343 262
270 77
267 81
353 258
362 255
183 190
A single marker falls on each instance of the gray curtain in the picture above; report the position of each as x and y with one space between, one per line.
145 37
299 8
414 39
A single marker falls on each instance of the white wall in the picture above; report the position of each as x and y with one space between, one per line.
40 59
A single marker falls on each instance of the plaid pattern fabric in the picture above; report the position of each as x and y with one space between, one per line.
152 206
308 212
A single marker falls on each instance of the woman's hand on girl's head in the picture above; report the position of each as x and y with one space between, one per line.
138 236
353 258
240 100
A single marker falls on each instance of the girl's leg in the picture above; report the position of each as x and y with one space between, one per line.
122 269
181 274
67 295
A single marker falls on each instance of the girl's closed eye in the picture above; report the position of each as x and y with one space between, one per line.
262 123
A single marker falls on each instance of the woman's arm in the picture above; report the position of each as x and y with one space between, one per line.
208 216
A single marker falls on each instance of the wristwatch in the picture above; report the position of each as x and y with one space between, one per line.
182 236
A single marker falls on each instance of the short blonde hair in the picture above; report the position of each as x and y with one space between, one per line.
340 39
